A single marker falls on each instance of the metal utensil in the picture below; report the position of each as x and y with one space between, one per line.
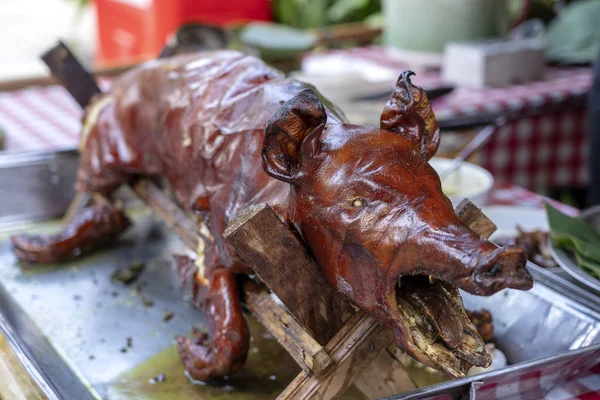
474 145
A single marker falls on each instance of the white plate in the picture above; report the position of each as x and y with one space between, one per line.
507 218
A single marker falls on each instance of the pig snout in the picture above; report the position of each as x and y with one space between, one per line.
505 268
498 269
457 255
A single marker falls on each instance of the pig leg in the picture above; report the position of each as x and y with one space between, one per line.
93 227
223 350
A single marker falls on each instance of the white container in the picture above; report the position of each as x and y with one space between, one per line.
468 181
493 62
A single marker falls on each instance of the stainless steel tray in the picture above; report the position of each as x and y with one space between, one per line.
69 324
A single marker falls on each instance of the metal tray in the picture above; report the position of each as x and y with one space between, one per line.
69 324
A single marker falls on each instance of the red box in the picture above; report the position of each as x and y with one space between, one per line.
130 31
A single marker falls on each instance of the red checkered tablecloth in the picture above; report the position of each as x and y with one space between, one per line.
39 119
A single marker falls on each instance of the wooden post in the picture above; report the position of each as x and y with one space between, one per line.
303 348
475 219
283 263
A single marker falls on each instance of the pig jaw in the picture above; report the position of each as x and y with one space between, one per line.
418 298
405 303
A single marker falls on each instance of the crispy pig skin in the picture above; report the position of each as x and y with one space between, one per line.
227 132
95 227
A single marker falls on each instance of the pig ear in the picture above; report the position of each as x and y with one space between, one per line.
292 134
409 113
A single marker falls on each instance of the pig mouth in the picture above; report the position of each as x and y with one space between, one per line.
434 327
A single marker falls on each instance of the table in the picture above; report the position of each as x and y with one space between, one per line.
547 149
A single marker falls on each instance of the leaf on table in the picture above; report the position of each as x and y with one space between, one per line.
564 226
590 266
577 235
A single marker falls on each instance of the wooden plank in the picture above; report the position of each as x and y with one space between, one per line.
15 381
352 349
383 377
475 219
283 263
281 260
166 209
71 74
309 354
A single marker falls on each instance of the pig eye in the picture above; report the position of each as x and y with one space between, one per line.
357 202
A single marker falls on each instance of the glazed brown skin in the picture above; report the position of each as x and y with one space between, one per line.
96 226
368 204
205 359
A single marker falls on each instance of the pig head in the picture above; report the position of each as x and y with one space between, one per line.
373 214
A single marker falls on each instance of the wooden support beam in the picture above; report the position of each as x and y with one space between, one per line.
309 354
281 324
171 214
475 219
283 263
352 349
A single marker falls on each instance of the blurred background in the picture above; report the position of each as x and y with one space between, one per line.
527 61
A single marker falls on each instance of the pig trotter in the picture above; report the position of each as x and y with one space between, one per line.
222 351
92 228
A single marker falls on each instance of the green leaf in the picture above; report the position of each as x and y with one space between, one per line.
591 267
563 226
577 235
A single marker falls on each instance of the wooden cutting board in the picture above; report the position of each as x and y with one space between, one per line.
15 382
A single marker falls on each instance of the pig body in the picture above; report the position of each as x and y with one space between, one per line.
227 132
199 122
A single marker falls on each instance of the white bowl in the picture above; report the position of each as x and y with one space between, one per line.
468 181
